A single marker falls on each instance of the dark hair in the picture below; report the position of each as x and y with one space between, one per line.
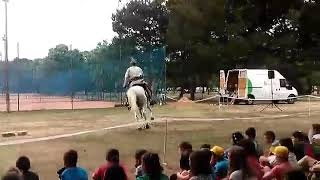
251 132
151 165
11 176
300 136
296 174
184 161
113 156
237 160
270 134
199 163
185 146
115 172
205 146
23 163
173 177
287 142
140 153
316 128
249 147
70 158
237 137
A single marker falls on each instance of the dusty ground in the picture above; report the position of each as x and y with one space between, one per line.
47 155
31 102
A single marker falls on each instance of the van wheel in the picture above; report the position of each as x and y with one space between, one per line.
291 99
250 100
275 101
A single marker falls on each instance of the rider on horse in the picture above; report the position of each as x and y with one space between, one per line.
134 77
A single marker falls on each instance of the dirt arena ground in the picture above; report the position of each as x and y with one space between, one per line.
32 102
197 123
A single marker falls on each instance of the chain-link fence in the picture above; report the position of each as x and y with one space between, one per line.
77 84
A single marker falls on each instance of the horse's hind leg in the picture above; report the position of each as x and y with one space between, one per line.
151 114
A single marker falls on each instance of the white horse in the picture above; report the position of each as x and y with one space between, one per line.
138 103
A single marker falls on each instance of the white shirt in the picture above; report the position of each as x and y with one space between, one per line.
132 72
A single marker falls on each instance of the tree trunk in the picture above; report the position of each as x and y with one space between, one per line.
181 92
192 92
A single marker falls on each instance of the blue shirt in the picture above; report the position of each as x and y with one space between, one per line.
221 169
75 173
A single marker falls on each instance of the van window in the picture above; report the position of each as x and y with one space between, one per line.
283 83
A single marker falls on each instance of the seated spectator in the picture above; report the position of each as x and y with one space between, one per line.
24 165
138 165
220 168
183 174
270 141
313 150
251 135
299 144
200 166
283 167
205 146
238 168
112 157
72 172
251 157
115 172
152 168
307 162
236 137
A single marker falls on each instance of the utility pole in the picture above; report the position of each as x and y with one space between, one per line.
6 64
19 75
71 83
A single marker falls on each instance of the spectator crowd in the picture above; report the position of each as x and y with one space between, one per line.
292 158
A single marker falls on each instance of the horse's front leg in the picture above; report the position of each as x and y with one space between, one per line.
151 114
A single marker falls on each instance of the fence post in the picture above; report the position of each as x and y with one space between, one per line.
165 143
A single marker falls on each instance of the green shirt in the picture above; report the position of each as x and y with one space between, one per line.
146 177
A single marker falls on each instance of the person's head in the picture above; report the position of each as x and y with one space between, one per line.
70 158
133 62
115 172
269 137
281 153
185 147
12 174
249 147
199 163
287 142
251 133
205 146
113 156
237 159
298 137
138 156
151 165
236 137
316 128
184 162
23 164
217 153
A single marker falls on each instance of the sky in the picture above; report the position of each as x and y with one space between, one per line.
39 25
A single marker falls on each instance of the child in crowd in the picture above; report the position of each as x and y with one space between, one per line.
270 141
71 171
138 157
251 135
200 166
283 167
24 165
220 165
236 137
152 168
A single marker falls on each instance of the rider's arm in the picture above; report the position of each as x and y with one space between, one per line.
126 76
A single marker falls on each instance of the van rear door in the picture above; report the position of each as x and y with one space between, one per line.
222 85
242 84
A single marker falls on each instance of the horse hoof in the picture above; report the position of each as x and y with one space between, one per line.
139 129
147 126
152 118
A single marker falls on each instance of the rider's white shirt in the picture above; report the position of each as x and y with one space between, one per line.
132 72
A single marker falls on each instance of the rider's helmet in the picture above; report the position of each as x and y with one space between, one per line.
133 62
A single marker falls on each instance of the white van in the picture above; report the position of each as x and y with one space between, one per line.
256 84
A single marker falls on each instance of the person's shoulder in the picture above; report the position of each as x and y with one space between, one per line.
32 175
144 177
164 177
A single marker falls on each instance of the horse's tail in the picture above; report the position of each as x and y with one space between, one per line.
132 98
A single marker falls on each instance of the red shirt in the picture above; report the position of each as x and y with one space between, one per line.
101 171
279 171
255 167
